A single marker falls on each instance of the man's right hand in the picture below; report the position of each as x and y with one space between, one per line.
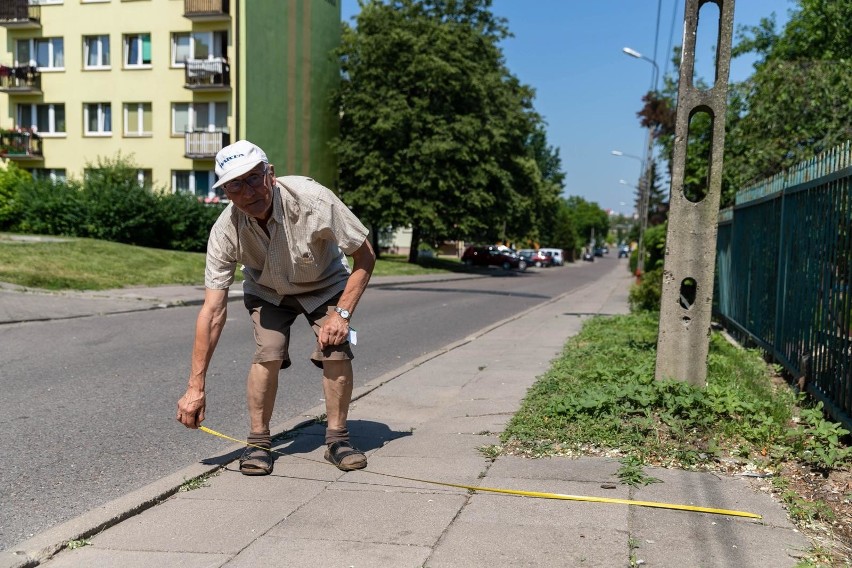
190 411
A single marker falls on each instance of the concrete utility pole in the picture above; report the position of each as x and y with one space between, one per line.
687 296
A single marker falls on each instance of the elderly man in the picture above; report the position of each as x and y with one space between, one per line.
291 235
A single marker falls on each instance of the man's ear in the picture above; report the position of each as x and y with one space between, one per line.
272 170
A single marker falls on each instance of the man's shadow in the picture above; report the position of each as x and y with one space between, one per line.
366 435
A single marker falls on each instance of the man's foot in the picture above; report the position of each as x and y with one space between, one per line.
256 461
345 456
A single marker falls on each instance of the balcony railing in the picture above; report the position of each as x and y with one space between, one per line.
20 80
207 74
206 10
204 145
19 14
16 145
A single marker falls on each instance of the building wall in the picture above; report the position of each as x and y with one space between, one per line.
280 77
286 104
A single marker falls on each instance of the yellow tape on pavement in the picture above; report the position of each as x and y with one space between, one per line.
535 494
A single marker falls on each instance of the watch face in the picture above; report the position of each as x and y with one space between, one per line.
343 313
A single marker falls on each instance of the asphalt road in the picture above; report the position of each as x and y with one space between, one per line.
87 404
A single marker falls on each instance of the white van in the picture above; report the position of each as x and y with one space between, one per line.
558 259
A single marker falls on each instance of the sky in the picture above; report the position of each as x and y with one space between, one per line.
589 91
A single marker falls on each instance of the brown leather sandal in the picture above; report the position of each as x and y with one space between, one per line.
345 456
256 461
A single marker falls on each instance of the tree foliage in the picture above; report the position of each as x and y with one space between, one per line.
795 105
435 132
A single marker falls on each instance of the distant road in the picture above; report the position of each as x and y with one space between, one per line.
87 406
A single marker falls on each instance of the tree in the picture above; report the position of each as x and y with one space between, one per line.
435 132
591 221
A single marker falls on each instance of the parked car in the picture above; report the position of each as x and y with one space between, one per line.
623 251
536 258
490 255
556 253
588 256
599 251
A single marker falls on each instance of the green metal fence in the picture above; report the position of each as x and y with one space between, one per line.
783 276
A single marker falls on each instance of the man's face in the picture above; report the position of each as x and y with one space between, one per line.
251 192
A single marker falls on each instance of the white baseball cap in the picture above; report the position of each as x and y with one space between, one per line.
235 160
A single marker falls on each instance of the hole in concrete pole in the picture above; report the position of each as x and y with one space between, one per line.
699 144
706 42
688 291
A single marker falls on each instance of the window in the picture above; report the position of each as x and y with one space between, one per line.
97 118
45 119
145 178
54 175
194 117
137 50
137 119
194 182
199 45
96 52
44 53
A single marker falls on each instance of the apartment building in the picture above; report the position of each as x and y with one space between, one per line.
168 83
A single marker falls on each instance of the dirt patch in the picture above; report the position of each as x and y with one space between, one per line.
821 507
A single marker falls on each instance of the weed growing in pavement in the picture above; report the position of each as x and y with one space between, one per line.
196 482
631 473
79 543
491 451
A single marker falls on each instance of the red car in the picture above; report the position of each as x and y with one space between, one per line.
537 258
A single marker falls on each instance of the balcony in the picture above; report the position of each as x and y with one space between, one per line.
206 10
22 145
18 14
204 145
24 80
207 75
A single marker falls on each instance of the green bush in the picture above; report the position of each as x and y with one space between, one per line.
108 205
50 208
188 221
118 209
11 180
645 296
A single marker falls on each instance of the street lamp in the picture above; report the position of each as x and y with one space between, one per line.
620 153
649 154
637 55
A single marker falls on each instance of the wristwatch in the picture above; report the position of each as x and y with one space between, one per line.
343 313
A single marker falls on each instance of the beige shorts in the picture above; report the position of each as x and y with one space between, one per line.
272 330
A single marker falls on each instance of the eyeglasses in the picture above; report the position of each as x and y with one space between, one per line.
236 186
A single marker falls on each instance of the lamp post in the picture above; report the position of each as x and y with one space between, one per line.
643 200
646 189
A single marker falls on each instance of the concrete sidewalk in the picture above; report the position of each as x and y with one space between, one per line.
429 420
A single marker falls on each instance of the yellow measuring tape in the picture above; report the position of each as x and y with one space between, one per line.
536 494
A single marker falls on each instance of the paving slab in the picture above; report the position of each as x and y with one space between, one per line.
383 473
195 525
702 540
324 553
416 519
495 530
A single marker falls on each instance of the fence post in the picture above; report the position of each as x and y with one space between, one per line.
687 294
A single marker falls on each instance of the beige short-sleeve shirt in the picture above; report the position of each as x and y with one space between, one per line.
310 233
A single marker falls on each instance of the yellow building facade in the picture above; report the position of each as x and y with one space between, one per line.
161 82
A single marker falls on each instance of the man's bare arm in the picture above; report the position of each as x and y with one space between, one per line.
208 328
